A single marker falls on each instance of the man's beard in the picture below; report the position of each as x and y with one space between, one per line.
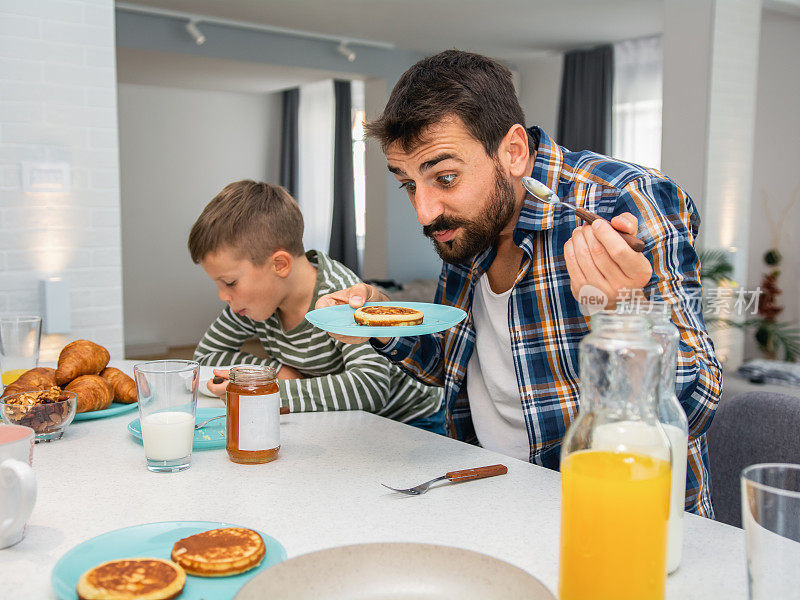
478 234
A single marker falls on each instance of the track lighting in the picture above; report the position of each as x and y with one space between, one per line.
197 35
346 51
195 18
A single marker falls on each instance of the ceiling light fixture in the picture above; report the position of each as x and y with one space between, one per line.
197 35
346 51
195 18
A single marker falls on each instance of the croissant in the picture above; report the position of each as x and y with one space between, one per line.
81 357
40 378
93 392
123 386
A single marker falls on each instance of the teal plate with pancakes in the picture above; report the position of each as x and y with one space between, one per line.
340 320
155 540
211 436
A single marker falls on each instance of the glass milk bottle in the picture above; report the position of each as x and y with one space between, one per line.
673 418
615 469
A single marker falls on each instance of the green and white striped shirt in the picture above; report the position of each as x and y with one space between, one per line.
338 376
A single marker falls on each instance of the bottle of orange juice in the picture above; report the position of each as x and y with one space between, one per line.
615 468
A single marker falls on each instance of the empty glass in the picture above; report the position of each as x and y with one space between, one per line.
167 393
19 345
771 518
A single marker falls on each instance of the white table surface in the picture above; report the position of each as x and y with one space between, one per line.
324 491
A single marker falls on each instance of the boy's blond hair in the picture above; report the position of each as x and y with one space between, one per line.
252 217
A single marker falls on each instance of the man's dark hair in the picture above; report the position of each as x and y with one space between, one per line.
476 89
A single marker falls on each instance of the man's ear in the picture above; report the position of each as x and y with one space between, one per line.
281 263
514 150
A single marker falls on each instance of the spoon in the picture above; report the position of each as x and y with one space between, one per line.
207 421
284 411
540 191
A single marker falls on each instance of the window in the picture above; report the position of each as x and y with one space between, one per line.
636 109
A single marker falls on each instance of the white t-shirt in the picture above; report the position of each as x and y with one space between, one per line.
491 380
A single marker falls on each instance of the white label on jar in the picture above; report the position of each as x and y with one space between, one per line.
259 422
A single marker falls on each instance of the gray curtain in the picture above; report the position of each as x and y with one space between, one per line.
343 246
584 115
290 141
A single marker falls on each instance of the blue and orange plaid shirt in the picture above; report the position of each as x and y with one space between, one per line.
545 321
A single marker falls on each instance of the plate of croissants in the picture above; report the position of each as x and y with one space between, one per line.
82 367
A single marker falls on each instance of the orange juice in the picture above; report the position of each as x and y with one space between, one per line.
614 512
10 376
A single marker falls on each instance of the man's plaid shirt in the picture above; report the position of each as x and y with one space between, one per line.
545 321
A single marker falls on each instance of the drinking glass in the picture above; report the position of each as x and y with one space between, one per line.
19 345
771 518
167 393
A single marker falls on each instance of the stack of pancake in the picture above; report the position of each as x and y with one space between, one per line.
132 579
387 316
219 552
215 553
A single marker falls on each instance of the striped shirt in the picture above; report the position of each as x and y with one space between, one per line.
337 376
545 321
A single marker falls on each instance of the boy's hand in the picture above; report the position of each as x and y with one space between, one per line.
355 296
287 372
218 385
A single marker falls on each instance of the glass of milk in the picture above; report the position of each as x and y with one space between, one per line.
167 392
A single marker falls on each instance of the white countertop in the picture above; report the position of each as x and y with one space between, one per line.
324 491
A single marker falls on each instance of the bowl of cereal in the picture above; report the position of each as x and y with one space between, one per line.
47 412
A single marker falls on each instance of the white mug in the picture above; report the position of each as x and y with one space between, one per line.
17 482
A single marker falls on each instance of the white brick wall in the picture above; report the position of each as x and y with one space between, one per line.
731 127
710 70
58 102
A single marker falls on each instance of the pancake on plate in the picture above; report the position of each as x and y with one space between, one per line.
387 316
220 552
132 579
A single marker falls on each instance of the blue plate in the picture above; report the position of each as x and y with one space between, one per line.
210 436
155 540
116 408
339 319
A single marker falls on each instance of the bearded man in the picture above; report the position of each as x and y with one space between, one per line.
454 137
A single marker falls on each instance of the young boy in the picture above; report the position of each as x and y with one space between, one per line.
249 241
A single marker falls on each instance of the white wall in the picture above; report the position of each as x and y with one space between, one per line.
178 149
686 45
58 103
709 94
375 251
540 91
776 175
731 127
407 253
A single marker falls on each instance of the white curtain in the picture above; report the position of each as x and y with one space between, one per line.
359 164
636 110
315 172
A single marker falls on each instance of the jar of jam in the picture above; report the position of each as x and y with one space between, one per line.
253 408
